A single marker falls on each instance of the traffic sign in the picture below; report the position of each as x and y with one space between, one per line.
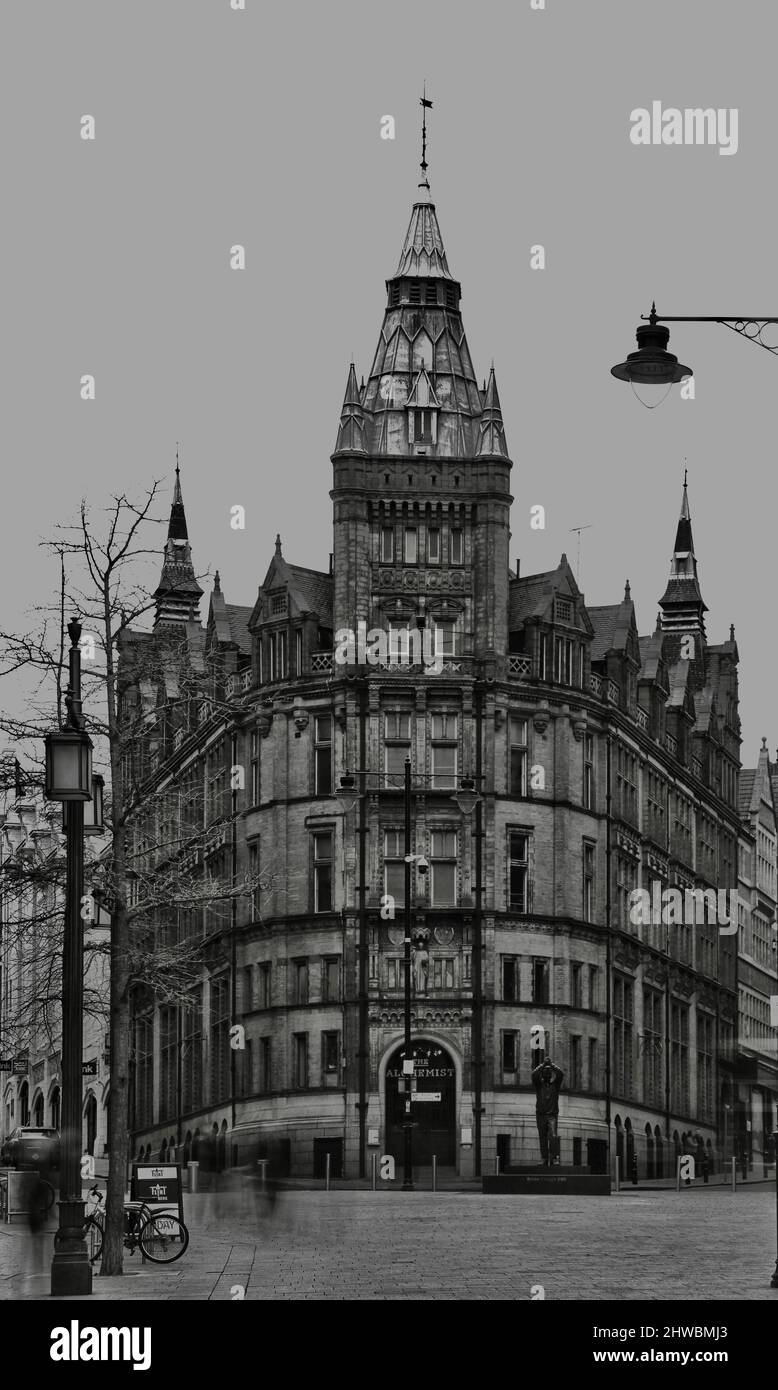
426 1095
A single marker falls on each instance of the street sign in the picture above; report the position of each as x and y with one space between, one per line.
5 1064
426 1095
89 1068
20 1065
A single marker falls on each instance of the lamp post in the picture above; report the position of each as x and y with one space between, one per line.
653 365
69 780
466 798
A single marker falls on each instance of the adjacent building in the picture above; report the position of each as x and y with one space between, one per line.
32 874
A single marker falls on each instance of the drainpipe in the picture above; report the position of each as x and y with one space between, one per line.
233 932
477 1060
608 1000
362 947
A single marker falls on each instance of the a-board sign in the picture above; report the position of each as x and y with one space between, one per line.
156 1183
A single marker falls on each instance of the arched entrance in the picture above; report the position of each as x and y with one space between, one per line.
37 1111
434 1119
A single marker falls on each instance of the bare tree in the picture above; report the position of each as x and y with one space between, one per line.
161 872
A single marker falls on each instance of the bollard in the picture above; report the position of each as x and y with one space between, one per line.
193 1166
497 1165
774 1280
373 1169
262 1165
434 1173
678 1173
734 1174
327 1173
618 1174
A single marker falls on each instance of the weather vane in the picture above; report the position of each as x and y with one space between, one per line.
424 104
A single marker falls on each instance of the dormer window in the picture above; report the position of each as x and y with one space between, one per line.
422 432
564 610
278 603
422 408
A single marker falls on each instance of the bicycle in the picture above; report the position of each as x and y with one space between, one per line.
162 1237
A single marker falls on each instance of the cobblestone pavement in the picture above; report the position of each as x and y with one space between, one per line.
343 1245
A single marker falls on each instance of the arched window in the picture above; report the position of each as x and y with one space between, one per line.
163 1151
37 1111
55 1107
24 1104
619 1143
659 1147
649 1152
631 1169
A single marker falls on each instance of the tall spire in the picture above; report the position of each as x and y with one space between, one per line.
178 593
682 604
425 106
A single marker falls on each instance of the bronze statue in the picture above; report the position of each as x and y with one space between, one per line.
547 1080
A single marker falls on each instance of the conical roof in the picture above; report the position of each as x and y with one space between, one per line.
423 252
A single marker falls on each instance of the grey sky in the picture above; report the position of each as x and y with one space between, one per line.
262 127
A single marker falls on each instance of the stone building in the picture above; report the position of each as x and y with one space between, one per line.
606 762
753 1105
32 862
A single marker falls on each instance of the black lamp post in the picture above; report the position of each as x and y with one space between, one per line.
653 365
69 780
466 798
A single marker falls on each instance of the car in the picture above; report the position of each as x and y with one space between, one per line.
31 1149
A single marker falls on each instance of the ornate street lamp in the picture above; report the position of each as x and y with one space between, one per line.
653 365
69 780
93 808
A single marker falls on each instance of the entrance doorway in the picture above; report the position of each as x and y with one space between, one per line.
433 1104
91 1123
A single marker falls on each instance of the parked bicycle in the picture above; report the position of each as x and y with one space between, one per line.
161 1236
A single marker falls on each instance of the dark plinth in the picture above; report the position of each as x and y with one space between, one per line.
533 1179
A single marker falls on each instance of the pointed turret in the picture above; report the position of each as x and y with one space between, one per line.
682 605
491 436
351 431
178 594
423 252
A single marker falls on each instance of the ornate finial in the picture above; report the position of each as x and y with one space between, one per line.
278 544
732 632
216 583
177 468
684 472
627 594
652 315
764 742
425 104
